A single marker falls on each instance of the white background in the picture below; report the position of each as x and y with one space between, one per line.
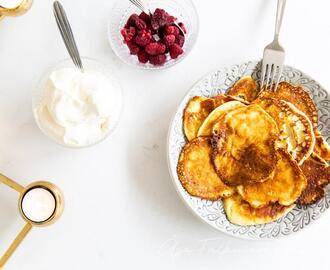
121 208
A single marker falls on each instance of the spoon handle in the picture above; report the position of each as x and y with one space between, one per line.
14 245
141 5
67 35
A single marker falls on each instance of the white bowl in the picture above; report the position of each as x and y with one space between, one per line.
88 63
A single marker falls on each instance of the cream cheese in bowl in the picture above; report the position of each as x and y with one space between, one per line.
78 109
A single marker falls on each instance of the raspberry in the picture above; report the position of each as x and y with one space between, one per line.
131 19
143 38
128 33
180 40
169 40
172 30
183 27
135 20
145 17
143 57
161 18
133 48
140 24
140 33
155 48
175 51
158 60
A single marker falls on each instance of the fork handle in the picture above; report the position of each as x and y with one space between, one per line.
279 17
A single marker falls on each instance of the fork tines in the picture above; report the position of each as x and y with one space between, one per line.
271 75
272 66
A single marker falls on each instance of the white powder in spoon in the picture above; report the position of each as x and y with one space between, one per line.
10 3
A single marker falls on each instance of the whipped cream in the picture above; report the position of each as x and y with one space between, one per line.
78 108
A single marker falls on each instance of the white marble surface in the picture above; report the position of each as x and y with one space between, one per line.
121 208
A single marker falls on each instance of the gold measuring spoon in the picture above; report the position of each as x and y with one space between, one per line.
14 8
40 204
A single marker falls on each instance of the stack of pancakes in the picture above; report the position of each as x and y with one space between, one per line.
260 152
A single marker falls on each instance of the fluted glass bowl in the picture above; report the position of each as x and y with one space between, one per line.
184 10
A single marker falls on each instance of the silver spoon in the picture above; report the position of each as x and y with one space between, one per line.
143 7
67 35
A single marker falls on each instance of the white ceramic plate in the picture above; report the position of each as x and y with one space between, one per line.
213 213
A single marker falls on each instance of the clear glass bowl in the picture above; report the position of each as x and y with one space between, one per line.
184 10
88 64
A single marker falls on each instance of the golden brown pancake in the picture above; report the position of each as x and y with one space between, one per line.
254 149
285 187
244 146
196 171
206 127
317 172
241 213
296 130
295 95
322 148
197 109
221 99
245 88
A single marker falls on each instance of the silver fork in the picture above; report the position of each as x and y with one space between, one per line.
274 54
143 7
67 35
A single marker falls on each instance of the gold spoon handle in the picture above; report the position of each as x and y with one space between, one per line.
25 230
11 183
19 238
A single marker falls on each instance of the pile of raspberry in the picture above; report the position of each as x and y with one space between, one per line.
151 38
